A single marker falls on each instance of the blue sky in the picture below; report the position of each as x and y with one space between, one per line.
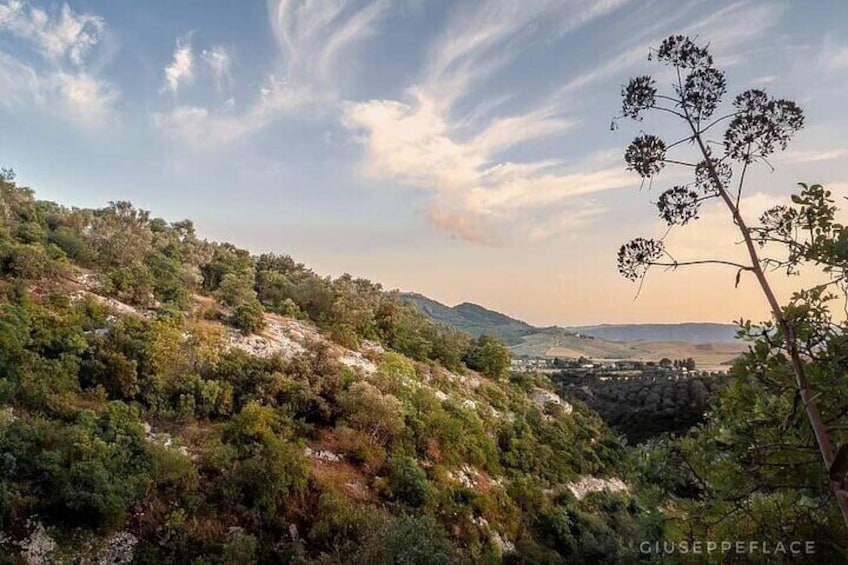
459 149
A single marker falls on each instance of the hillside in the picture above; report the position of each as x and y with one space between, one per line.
165 399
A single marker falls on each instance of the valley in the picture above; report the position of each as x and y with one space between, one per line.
712 346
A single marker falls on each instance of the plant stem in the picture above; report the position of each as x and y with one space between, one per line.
813 414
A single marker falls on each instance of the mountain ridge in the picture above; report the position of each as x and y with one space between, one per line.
477 319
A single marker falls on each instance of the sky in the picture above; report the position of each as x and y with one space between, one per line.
460 149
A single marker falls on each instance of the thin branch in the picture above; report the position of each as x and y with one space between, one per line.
690 139
718 120
741 182
676 162
676 101
669 110
675 264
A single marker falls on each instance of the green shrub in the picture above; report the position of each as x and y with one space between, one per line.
248 317
26 262
240 549
88 473
489 356
370 411
407 540
408 482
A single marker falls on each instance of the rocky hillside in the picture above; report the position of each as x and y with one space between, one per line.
165 399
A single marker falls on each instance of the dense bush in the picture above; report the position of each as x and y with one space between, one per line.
408 482
248 317
489 356
88 472
140 418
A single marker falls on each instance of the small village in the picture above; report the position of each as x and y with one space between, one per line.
605 369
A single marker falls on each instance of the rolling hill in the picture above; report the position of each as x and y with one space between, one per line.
710 344
472 318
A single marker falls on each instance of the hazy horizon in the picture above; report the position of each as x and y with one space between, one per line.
461 150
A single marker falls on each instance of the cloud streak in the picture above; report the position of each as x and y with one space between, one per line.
220 61
478 192
313 36
180 71
314 39
66 36
61 85
203 129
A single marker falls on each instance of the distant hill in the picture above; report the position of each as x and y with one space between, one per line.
472 318
687 332
709 343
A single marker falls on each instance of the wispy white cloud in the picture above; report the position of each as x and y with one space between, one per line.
180 71
838 59
61 84
492 34
460 226
735 25
419 141
201 128
765 79
219 60
833 55
64 36
314 38
726 30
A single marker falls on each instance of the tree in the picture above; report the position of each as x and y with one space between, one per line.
489 356
370 411
756 127
249 317
121 235
406 540
409 482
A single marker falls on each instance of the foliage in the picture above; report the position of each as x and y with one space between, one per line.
408 482
764 462
125 409
407 540
248 317
89 472
489 356
365 408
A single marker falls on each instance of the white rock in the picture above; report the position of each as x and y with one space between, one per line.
504 546
7 415
39 547
274 340
372 347
323 455
356 360
544 397
118 550
288 337
163 439
588 485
